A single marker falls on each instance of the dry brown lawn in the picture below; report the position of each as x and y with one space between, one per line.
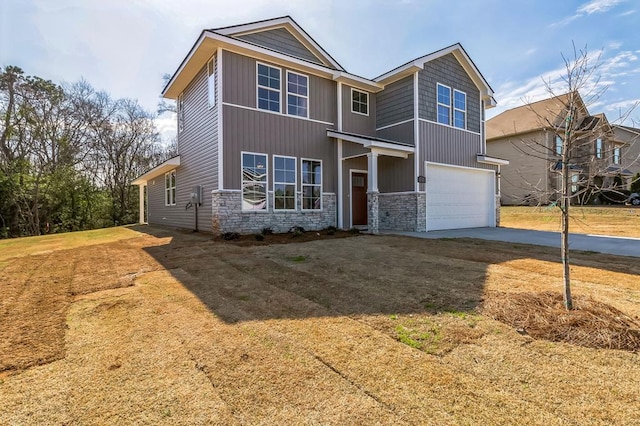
623 221
160 327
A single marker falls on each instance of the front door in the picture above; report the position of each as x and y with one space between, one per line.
358 199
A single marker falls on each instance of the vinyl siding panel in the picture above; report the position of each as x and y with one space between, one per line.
354 122
448 71
240 87
400 133
281 40
526 174
395 174
395 102
262 132
443 144
198 149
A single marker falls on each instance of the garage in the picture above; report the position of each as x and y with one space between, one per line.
459 197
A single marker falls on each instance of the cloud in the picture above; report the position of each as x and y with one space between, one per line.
627 13
598 6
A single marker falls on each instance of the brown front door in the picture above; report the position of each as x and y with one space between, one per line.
359 199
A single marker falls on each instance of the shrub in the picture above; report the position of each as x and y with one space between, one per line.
331 230
228 236
259 237
296 230
267 231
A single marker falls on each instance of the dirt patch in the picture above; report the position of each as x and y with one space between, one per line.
542 315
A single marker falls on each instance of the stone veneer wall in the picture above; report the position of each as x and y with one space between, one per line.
403 211
229 217
498 210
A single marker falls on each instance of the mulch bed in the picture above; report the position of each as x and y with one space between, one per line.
260 239
542 315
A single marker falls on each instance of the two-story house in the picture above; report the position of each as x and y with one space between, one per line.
532 136
273 132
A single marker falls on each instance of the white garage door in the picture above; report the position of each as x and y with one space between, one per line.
459 197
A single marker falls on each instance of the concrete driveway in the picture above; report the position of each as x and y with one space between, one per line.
622 246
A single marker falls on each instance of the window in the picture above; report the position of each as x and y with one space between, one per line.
180 113
558 145
297 94
444 104
574 182
459 109
311 185
254 181
359 102
170 188
284 183
268 88
616 156
211 69
598 148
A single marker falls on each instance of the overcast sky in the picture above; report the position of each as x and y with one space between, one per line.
125 46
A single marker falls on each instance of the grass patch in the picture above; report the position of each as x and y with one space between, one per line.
298 258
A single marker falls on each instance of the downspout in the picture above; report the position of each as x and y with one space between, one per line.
340 201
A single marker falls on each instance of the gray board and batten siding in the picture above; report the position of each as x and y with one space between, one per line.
239 88
275 134
281 40
198 145
448 71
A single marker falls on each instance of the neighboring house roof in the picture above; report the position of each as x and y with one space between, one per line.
459 53
533 116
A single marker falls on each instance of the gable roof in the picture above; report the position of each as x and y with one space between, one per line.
533 116
246 31
229 39
461 56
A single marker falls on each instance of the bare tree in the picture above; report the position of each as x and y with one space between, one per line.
578 147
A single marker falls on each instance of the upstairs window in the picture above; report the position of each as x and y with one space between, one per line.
616 156
598 148
359 102
297 94
284 183
459 109
211 81
170 188
268 88
558 145
444 104
254 181
311 185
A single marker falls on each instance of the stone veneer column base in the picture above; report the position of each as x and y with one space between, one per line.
497 210
372 211
227 215
403 211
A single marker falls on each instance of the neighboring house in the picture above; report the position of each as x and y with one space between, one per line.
526 136
273 132
631 150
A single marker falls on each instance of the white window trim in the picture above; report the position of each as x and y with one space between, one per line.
169 197
302 184
266 182
599 147
295 94
295 183
616 155
438 103
258 86
351 100
180 107
211 81
454 109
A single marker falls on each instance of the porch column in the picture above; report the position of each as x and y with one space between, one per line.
372 193
141 188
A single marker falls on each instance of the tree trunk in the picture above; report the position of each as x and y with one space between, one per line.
566 203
